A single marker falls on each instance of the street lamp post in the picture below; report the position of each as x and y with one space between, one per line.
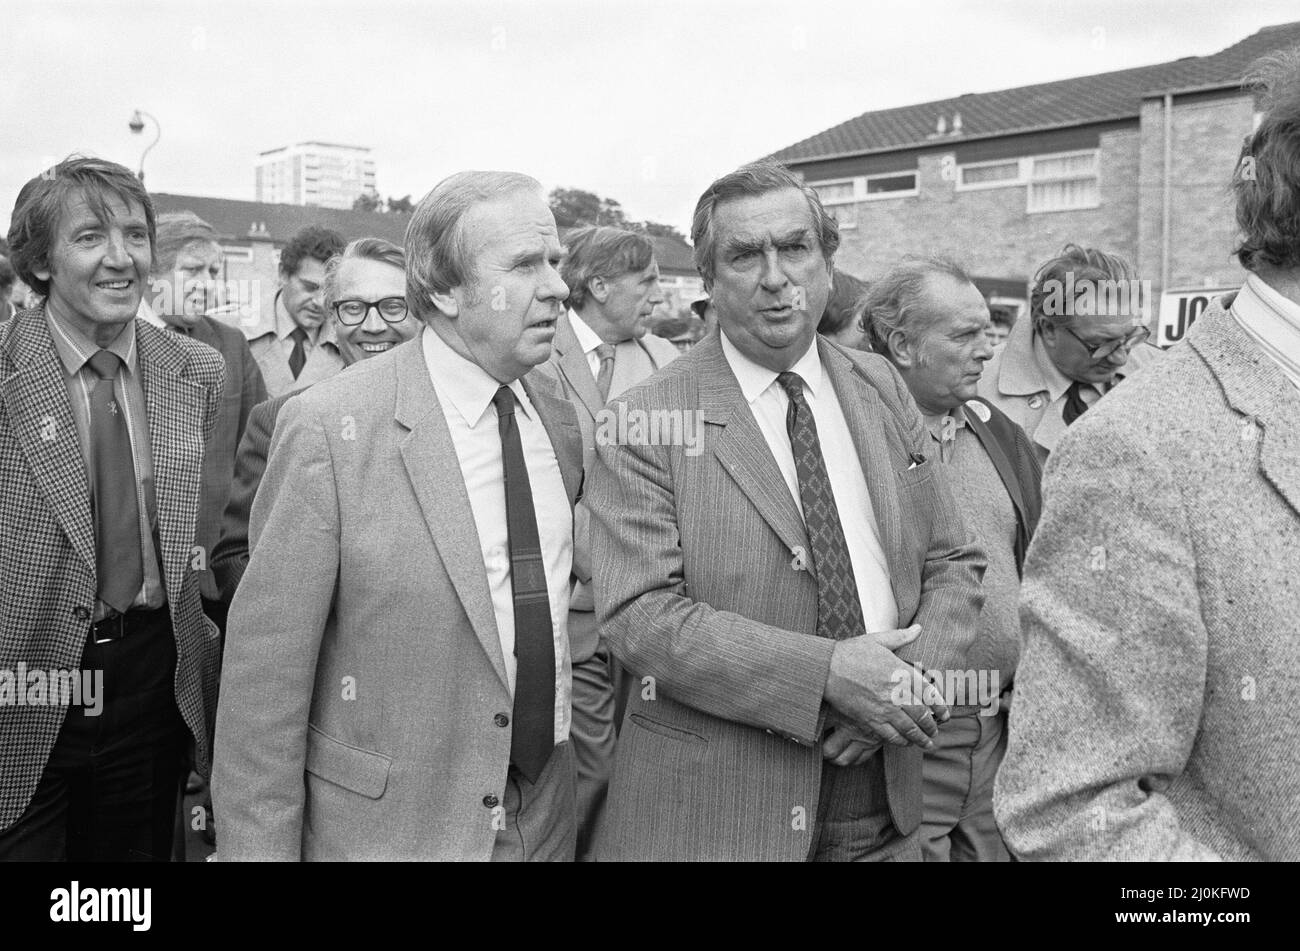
137 126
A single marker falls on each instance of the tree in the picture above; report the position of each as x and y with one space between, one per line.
573 206
662 231
400 206
366 201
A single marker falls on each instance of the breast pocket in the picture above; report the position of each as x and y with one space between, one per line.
919 475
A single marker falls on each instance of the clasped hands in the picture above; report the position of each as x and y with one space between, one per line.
876 698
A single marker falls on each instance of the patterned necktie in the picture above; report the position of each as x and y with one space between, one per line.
298 356
605 352
839 611
1074 402
533 735
119 565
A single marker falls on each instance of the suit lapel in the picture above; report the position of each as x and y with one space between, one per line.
36 400
865 413
433 468
741 448
573 367
1258 389
175 409
566 438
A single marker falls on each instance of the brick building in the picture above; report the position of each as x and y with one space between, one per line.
1135 161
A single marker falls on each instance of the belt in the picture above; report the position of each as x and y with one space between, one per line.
121 625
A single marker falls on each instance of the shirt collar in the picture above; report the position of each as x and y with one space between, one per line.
75 348
935 424
588 339
1272 321
754 379
463 383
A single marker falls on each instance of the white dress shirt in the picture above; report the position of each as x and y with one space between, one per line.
465 391
588 339
768 402
1273 322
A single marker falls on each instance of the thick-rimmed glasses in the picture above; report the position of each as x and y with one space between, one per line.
1110 347
353 312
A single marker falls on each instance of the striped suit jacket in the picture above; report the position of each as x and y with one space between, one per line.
1155 699
719 757
47 542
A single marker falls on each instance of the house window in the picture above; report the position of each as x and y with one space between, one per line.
1064 182
840 200
989 175
894 185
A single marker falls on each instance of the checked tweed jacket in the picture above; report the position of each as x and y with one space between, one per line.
47 543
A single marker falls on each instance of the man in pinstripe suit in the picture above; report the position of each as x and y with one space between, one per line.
770 585
102 429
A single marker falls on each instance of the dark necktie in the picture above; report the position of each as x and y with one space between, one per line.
606 354
118 563
533 735
1074 402
299 355
839 611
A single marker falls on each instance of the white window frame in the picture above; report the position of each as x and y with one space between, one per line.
237 252
883 196
1022 176
859 189
1030 182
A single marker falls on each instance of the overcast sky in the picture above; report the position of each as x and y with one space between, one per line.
645 102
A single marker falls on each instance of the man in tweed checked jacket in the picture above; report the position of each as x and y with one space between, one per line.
103 420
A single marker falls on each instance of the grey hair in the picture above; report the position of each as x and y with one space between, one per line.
756 178
896 302
437 258
366 249
177 230
601 251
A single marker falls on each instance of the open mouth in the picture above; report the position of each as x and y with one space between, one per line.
545 325
114 285
379 347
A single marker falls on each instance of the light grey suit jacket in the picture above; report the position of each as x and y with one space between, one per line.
1155 700
696 588
363 668
634 362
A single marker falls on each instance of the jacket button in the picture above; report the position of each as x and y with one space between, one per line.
501 720
81 612
491 801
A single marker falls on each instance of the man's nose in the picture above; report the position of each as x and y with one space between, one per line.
657 294
373 323
115 254
772 277
553 287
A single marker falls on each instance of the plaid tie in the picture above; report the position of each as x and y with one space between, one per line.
605 352
839 612
533 728
119 564
298 356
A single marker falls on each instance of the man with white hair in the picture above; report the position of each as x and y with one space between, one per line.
411 699
930 321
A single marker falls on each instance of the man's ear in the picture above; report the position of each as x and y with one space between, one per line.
446 303
901 350
43 272
598 289
1047 330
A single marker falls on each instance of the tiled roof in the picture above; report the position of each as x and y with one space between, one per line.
1066 102
235 221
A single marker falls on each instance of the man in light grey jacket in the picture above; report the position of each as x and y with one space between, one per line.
1154 714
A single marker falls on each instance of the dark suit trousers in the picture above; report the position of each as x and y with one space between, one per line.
592 730
853 821
108 793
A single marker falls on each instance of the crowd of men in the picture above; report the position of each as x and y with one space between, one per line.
455 561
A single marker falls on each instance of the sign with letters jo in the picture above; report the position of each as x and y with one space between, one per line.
1179 310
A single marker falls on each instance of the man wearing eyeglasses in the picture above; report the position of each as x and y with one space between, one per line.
364 295
1084 335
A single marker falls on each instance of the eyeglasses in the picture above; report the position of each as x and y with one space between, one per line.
353 312
1109 348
